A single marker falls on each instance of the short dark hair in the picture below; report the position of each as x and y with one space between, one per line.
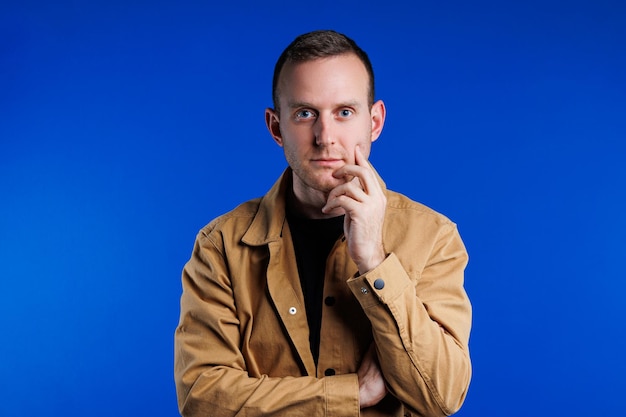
320 44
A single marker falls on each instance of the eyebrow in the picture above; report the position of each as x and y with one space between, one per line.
300 104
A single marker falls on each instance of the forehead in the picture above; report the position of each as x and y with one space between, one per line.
324 80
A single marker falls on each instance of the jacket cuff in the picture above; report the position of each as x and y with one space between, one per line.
342 395
382 284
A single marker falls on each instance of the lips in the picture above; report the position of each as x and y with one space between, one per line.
327 161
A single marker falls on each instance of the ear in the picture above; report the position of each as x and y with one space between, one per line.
377 114
273 125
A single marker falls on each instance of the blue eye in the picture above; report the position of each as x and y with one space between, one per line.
304 114
345 113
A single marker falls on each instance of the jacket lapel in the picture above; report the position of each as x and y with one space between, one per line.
269 227
284 288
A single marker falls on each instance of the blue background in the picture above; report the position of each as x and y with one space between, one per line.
127 126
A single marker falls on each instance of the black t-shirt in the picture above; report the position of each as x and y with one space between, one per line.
313 240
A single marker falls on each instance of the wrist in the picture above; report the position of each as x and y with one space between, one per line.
372 262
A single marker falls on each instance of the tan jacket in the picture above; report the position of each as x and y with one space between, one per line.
242 344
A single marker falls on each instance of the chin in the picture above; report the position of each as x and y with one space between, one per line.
322 182
325 185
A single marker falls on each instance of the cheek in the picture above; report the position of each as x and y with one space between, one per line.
361 129
291 154
361 136
297 140
295 135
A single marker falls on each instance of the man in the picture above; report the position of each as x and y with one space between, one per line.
330 295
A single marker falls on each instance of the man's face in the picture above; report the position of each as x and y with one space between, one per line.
324 115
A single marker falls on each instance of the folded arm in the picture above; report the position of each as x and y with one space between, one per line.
211 373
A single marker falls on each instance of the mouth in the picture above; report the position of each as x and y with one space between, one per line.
327 162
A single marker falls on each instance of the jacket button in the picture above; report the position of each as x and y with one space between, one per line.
292 310
329 301
379 284
329 372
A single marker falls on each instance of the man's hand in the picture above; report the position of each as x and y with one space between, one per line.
371 383
363 200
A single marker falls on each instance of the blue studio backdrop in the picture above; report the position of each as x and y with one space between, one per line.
127 126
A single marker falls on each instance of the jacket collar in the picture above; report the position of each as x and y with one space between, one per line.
267 225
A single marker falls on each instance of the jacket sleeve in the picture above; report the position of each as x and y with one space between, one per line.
211 374
421 323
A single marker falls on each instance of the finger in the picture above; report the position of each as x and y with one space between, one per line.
348 204
347 196
359 161
359 158
349 172
365 174
345 201
352 189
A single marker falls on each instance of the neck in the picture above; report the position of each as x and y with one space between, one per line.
308 203
306 207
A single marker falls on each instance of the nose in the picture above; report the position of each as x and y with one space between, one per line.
324 130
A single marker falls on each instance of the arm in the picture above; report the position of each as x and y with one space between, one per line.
421 327
420 324
211 372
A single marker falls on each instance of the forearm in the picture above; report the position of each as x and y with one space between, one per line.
213 377
217 373
421 344
222 392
